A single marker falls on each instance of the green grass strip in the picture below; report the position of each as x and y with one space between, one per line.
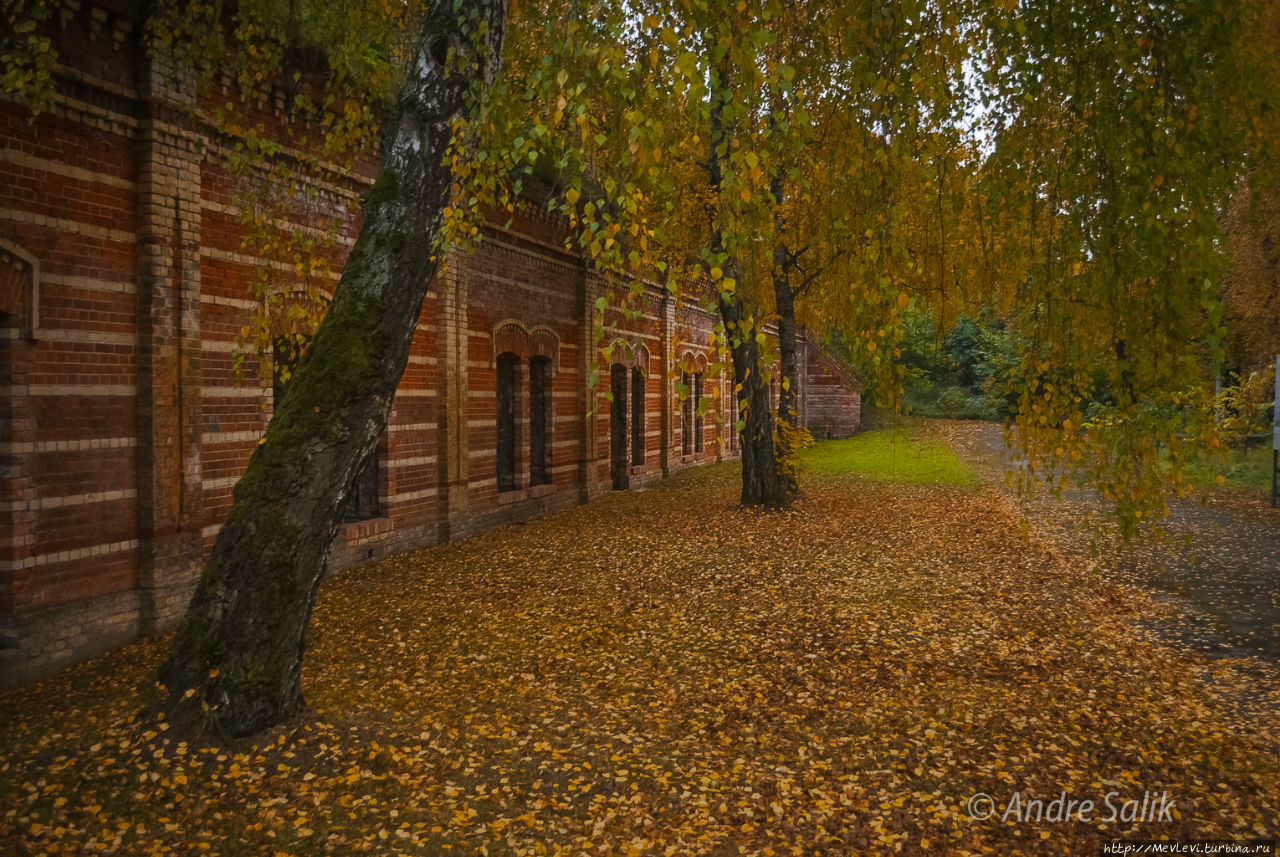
889 455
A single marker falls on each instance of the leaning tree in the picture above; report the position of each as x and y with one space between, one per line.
238 651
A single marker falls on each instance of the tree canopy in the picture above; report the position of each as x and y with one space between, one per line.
1101 176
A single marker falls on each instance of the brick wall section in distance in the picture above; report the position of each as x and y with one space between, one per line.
831 397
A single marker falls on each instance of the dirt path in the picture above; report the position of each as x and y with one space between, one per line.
1217 574
1219 568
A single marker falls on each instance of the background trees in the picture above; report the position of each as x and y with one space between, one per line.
1119 133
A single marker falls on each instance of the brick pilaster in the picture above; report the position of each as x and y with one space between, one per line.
452 471
169 382
17 439
802 376
588 471
666 346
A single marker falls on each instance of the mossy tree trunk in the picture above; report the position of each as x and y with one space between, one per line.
239 649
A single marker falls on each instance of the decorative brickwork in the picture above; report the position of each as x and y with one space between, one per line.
123 283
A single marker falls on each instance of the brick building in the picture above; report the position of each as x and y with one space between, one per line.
123 282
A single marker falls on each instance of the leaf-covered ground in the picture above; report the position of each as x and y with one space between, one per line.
662 673
1215 574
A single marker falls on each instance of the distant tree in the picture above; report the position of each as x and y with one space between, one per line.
963 345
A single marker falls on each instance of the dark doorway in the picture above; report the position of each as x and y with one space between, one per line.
618 426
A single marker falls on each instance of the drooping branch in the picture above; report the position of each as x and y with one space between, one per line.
762 483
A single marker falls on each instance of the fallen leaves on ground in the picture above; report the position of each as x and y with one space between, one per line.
1213 574
663 673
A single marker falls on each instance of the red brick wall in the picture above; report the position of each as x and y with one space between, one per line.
69 352
831 397
123 283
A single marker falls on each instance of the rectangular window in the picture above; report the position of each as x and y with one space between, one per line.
539 421
507 395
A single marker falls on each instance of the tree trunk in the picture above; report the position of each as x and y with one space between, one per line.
239 648
788 390
761 482
784 297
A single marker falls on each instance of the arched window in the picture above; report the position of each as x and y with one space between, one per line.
540 421
286 351
618 427
508 406
19 288
362 500
637 417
